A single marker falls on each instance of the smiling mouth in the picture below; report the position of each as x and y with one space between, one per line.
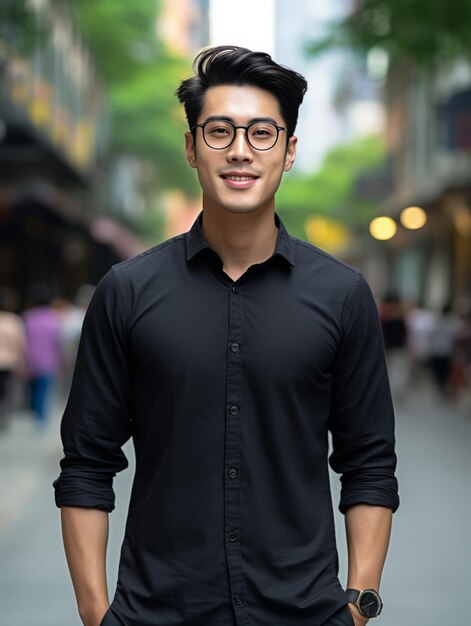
239 178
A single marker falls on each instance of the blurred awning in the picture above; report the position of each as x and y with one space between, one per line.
27 153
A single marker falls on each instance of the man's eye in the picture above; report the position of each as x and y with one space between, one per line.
219 131
262 132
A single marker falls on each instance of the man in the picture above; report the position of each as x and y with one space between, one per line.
227 353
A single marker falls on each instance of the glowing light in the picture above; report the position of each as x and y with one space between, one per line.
327 234
413 217
383 228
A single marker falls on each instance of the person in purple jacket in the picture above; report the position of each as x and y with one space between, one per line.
43 354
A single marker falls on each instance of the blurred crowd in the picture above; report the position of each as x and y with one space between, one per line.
420 341
38 348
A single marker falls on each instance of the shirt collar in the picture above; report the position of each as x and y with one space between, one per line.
196 242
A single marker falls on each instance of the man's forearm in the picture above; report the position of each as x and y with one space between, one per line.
368 531
85 534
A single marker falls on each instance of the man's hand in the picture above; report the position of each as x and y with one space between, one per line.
358 618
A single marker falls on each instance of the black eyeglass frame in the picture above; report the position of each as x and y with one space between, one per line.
246 129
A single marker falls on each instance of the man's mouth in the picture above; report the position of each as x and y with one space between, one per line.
240 177
239 182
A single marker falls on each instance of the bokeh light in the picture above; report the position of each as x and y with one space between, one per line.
413 217
327 233
383 228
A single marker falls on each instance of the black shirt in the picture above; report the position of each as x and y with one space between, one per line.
228 390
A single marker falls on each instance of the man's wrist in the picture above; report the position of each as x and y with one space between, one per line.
94 616
367 601
358 617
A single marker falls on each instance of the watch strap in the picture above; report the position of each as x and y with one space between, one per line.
352 595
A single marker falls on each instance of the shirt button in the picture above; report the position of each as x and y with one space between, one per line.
232 472
235 347
238 599
234 409
232 536
235 289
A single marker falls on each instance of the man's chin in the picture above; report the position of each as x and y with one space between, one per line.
240 210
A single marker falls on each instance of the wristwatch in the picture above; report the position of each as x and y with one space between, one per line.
368 601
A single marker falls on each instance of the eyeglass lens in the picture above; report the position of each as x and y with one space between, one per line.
260 135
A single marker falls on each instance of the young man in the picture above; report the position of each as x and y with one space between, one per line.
227 354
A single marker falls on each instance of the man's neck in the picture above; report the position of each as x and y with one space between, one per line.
240 240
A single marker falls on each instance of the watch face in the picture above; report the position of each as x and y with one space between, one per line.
369 603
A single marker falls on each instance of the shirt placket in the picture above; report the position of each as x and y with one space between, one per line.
234 414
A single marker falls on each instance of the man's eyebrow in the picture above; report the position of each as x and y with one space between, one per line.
225 118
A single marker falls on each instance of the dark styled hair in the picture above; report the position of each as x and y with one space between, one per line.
232 65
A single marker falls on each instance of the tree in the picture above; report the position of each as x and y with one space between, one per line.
332 190
145 117
423 32
121 35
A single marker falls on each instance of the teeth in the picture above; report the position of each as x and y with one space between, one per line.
240 177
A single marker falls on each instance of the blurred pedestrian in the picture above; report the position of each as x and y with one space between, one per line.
442 345
393 322
227 354
12 356
71 327
420 323
72 318
44 359
460 378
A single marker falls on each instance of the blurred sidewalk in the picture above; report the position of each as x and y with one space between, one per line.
35 587
425 582
25 452
426 577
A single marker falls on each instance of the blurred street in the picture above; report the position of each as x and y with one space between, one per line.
93 171
427 569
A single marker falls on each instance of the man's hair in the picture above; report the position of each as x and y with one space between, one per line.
232 65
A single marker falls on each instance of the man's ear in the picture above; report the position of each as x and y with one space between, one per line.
190 148
290 155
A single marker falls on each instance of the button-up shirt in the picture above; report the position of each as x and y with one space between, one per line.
229 390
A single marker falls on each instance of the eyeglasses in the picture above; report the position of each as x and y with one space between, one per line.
219 134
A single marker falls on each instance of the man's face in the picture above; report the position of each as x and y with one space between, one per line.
216 168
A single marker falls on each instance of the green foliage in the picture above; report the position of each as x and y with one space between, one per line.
150 226
145 117
419 31
148 122
120 33
19 27
331 191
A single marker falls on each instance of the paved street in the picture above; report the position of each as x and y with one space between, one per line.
426 581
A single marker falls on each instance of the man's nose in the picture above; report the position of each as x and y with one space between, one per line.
239 150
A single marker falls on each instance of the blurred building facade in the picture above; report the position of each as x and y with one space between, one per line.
429 145
342 102
184 28
53 132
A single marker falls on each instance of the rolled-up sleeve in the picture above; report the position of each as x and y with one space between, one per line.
362 417
97 419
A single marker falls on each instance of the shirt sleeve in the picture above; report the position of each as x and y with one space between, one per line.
362 417
97 419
